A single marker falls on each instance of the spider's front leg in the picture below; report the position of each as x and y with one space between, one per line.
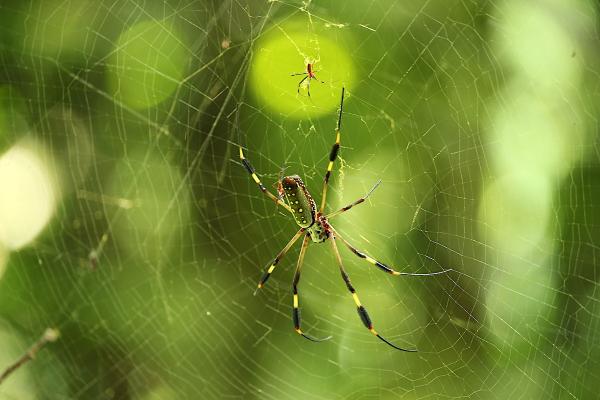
256 179
354 203
333 154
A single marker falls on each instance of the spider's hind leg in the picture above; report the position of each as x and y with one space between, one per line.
256 179
302 81
362 312
383 267
333 154
278 258
296 311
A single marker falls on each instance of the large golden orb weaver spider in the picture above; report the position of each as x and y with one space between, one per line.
315 226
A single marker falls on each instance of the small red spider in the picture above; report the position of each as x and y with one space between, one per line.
310 74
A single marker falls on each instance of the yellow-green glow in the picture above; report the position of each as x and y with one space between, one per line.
535 43
286 49
533 133
515 211
147 64
160 392
537 124
520 296
395 207
28 196
536 138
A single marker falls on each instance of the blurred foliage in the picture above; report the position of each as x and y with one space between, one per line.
480 117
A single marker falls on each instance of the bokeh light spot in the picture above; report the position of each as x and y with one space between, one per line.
515 211
60 28
533 133
548 61
287 50
28 196
147 65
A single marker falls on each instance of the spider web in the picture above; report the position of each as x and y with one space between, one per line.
128 223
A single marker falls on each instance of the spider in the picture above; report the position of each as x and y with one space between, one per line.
315 226
310 74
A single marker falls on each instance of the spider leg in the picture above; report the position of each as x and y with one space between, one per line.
262 187
296 311
362 312
384 267
299 73
300 83
333 154
349 206
278 258
314 76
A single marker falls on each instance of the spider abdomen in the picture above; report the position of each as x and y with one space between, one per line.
300 201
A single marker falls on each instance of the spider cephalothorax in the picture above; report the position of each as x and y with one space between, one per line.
295 198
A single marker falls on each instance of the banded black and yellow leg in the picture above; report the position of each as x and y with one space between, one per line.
256 179
278 258
333 154
349 206
362 312
296 310
384 267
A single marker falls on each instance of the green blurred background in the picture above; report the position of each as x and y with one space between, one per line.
128 223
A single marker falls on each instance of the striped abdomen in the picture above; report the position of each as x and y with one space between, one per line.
300 201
